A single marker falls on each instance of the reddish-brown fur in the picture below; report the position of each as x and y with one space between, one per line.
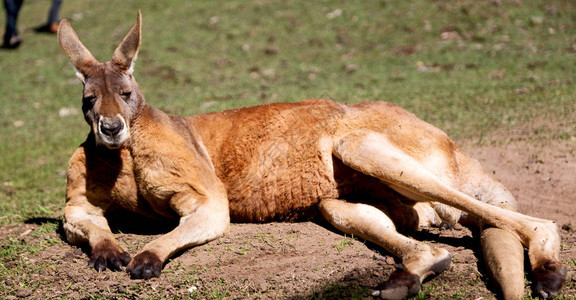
262 154
366 168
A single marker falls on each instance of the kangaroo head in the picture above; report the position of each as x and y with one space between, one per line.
111 98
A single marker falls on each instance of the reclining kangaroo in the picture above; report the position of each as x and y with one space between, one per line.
363 167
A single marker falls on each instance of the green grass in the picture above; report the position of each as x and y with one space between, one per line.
346 242
497 67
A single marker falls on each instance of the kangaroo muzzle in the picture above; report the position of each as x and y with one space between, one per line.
112 132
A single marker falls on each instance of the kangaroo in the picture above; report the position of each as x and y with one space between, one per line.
366 168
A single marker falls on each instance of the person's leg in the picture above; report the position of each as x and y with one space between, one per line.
51 25
53 13
11 38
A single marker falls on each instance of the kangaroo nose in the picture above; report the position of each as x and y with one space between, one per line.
111 127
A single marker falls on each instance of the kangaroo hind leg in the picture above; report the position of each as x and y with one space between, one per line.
503 252
419 259
374 154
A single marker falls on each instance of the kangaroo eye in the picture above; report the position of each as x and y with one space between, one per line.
126 96
89 99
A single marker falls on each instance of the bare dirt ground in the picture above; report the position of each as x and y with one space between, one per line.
303 260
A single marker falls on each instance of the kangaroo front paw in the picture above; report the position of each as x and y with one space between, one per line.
107 254
549 277
145 266
400 285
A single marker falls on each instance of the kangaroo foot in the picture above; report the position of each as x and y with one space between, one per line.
403 283
549 277
145 265
108 255
400 285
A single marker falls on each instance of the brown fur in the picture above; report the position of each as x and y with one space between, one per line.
366 168
276 160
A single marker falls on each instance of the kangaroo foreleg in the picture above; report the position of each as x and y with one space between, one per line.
205 222
84 222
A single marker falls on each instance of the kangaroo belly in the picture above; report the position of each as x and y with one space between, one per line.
283 182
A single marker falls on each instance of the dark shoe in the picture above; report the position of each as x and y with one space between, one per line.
12 43
48 28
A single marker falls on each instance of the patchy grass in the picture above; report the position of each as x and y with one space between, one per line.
468 67
346 242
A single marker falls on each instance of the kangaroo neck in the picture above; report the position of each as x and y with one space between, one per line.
146 127
157 130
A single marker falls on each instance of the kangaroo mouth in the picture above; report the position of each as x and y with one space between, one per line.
113 145
112 142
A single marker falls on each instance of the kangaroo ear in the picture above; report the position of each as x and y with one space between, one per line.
80 57
126 53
